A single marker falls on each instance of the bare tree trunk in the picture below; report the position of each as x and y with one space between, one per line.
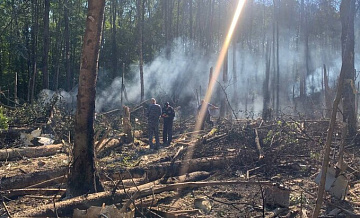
140 7
122 84
16 89
223 107
235 94
114 47
83 178
347 40
58 46
327 94
301 36
46 46
210 77
67 46
191 19
266 114
34 32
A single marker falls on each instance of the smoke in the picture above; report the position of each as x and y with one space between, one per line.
176 79
181 78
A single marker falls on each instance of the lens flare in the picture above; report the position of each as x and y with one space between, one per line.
212 82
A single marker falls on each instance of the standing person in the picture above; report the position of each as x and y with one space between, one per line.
168 115
153 114
207 113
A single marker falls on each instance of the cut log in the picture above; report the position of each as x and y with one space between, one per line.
40 151
83 202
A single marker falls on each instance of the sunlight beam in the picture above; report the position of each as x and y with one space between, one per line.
216 74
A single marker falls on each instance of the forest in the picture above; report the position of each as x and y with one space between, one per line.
77 76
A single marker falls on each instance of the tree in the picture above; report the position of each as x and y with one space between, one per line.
46 45
347 15
83 178
140 18
67 46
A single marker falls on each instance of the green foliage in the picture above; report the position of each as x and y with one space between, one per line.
3 120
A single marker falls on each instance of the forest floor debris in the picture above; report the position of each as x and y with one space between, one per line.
290 154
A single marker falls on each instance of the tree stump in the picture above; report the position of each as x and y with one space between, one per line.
127 125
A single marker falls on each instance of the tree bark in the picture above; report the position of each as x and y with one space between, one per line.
83 178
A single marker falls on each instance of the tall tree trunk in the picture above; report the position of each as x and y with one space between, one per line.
327 94
46 45
266 114
223 108
16 89
301 36
67 46
277 69
34 36
347 15
191 19
58 56
83 178
140 6
234 69
114 46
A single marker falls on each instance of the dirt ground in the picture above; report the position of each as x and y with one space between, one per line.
292 157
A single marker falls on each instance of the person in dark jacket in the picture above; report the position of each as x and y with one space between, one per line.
153 114
207 113
168 115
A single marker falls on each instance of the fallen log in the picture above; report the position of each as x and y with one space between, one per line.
65 208
156 171
152 172
25 180
52 181
31 191
39 151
